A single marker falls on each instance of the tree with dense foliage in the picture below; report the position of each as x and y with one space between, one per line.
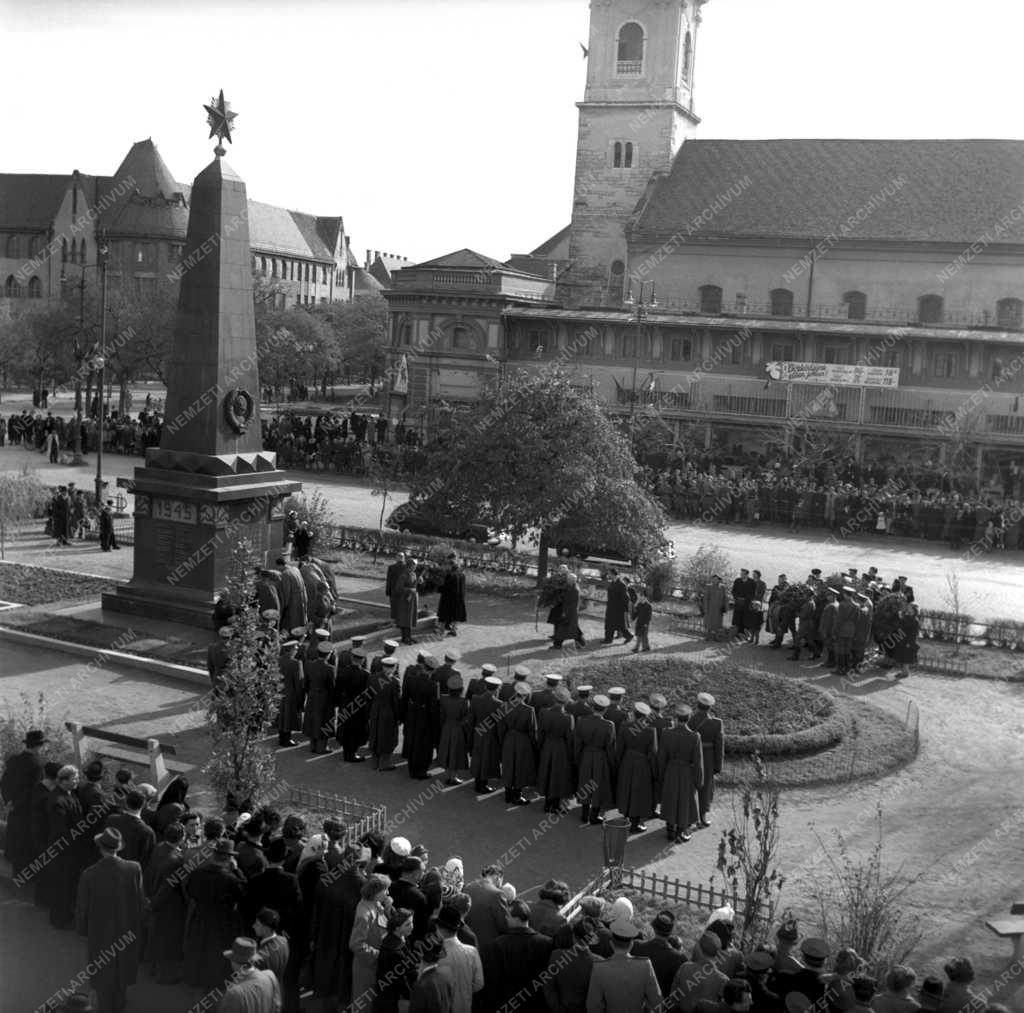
361 330
22 497
538 457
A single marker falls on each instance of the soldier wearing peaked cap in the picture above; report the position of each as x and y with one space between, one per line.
485 719
318 715
453 744
581 705
595 756
712 735
616 712
289 716
808 979
622 983
311 651
519 745
353 704
442 675
543 698
555 737
384 715
477 684
390 646
637 748
681 773
519 674
421 697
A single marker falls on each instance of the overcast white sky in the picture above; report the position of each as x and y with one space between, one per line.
436 124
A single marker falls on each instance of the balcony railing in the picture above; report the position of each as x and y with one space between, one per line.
630 67
654 398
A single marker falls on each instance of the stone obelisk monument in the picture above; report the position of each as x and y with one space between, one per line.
210 484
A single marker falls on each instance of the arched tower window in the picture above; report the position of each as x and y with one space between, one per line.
1009 314
617 155
35 288
11 287
929 309
782 302
627 156
630 50
687 57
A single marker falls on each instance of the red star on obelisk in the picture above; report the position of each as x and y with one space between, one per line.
219 117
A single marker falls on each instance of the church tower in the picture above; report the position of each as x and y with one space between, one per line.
636 112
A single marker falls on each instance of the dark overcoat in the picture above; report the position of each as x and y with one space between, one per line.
385 711
519 746
405 600
319 695
293 694
569 617
452 748
139 839
681 766
22 772
65 830
555 736
334 914
213 923
451 604
109 915
294 603
485 714
595 761
638 764
420 697
165 889
353 705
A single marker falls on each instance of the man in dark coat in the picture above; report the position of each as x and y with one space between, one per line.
555 739
318 716
65 834
215 889
743 588
569 971
294 603
405 600
22 772
664 957
681 770
406 893
109 913
138 839
108 539
451 605
485 713
595 762
712 740
616 610
637 749
334 914
293 693
353 702
434 988
420 701
393 572
163 884
567 626
488 913
517 960
39 820
218 655
268 590
519 746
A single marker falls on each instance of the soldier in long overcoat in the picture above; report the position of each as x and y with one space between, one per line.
391 577
353 705
318 715
681 768
638 765
485 711
452 750
268 590
519 746
385 713
420 698
595 761
712 740
109 914
293 693
555 736
405 600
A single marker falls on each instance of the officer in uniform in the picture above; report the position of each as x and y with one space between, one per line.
616 712
712 740
318 717
485 711
353 704
846 630
478 684
544 698
556 740
377 665
443 673
595 761
508 690
289 718
827 626
581 705
312 650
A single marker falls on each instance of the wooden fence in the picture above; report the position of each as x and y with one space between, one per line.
359 817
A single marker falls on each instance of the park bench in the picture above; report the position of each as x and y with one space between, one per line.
1011 928
128 749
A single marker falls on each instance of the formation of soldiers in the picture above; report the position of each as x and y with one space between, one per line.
598 748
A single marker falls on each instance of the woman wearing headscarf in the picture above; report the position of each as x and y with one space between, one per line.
396 971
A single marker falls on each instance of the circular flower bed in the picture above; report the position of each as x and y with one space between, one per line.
762 713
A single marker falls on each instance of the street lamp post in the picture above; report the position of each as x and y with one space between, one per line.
101 252
640 310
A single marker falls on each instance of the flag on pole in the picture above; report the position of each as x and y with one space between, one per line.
401 384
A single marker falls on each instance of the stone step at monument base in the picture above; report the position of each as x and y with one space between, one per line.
138 599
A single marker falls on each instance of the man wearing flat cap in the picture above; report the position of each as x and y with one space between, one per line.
681 775
485 719
665 958
555 740
622 983
712 739
109 914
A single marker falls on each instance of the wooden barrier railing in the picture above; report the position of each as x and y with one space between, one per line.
144 751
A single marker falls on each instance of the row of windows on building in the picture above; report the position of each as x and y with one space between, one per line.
941 364
13 289
290 270
930 308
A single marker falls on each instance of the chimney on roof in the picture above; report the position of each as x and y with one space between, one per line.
368 261
376 254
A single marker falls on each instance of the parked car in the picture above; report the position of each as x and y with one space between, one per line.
420 522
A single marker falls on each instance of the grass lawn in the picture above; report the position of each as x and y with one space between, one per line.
38 585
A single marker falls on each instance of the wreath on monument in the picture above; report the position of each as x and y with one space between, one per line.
239 407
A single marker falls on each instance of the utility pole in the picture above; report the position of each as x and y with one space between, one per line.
640 311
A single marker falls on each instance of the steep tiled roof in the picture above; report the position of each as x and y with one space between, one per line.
307 225
364 283
30 201
143 194
327 229
272 228
550 246
954 191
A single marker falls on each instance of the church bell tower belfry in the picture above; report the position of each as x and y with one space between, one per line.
636 112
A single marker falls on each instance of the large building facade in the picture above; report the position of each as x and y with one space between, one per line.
49 226
745 290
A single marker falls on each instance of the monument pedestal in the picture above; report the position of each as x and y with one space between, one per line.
191 512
